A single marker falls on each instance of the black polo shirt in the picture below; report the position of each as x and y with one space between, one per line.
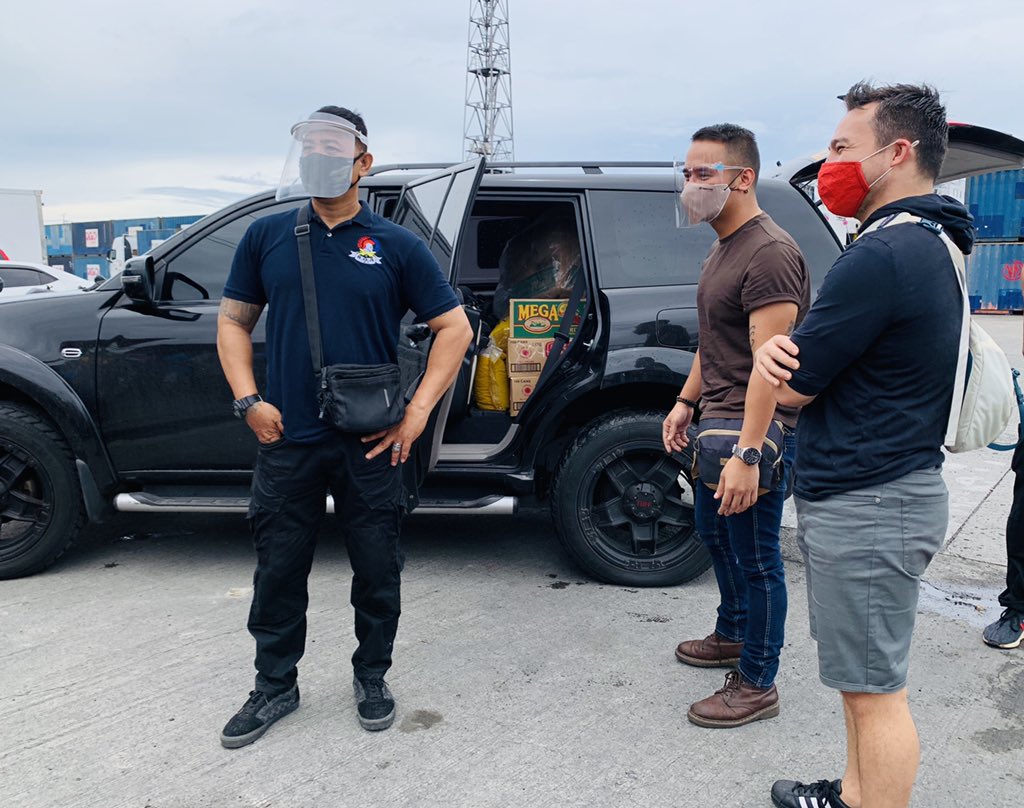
368 273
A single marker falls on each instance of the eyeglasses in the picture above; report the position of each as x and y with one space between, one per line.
705 173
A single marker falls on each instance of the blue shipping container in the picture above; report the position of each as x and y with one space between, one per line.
996 201
58 239
122 226
993 277
176 222
91 238
89 266
146 238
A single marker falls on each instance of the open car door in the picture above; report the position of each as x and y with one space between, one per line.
435 208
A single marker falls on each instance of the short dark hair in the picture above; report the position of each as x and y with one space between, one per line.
353 118
911 111
740 143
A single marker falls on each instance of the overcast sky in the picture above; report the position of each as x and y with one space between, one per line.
117 109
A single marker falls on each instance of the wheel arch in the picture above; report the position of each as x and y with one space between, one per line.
27 381
652 386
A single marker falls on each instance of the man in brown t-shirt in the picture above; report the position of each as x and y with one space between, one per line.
753 285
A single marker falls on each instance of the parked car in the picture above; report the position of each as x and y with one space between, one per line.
26 278
114 400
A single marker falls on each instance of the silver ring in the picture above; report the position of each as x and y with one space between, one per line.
396 447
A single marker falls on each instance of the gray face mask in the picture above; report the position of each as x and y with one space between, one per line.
324 176
323 151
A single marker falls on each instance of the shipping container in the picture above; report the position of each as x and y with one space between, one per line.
996 201
148 239
122 226
91 238
63 261
993 276
90 266
176 222
58 239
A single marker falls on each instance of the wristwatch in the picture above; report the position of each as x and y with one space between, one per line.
750 455
240 406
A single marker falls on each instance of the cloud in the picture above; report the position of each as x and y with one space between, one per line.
201 95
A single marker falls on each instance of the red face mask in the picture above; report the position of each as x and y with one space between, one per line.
843 186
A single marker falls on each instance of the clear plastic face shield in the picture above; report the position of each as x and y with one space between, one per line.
324 149
702 191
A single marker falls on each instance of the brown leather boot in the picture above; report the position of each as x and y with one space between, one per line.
714 651
736 704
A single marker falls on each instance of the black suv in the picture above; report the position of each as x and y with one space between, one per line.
114 399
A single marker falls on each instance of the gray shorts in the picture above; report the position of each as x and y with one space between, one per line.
865 552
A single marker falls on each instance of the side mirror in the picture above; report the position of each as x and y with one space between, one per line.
138 280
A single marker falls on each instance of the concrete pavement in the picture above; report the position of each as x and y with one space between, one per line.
520 682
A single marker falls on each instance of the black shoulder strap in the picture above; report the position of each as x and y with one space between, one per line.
309 287
562 337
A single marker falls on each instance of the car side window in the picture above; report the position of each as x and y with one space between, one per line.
638 244
20 276
200 272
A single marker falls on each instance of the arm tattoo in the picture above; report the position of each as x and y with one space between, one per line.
245 314
753 328
792 325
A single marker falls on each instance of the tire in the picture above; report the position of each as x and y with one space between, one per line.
618 508
41 508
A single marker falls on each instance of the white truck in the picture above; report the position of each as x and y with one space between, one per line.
22 237
125 246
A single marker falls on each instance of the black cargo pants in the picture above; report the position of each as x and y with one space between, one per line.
289 489
1013 596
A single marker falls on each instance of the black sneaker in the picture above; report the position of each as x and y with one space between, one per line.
1007 631
256 716
375 703
823 794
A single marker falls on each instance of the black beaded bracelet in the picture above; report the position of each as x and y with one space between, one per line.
687 402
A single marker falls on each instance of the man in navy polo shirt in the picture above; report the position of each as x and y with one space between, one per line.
367 273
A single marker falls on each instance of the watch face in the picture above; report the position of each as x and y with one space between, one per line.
751 456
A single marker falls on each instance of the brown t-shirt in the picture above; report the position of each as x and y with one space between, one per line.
757 265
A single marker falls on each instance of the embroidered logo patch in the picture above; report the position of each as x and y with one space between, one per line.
367 252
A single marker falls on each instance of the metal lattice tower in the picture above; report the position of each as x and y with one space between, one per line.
488 120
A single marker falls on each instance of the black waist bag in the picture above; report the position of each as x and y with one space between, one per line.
352 398
712 449
361 398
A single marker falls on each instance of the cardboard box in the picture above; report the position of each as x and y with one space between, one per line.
526 357
538 319
520 388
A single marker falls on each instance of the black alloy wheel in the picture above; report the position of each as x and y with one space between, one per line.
620 509
40 500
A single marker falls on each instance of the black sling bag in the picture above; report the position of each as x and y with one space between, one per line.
352 398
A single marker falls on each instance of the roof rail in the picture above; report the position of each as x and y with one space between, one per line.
586 166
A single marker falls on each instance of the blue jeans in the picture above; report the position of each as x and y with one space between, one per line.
747 561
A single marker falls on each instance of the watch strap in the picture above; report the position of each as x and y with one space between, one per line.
241 405
740 451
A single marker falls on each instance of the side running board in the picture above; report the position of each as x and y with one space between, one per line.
141 502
